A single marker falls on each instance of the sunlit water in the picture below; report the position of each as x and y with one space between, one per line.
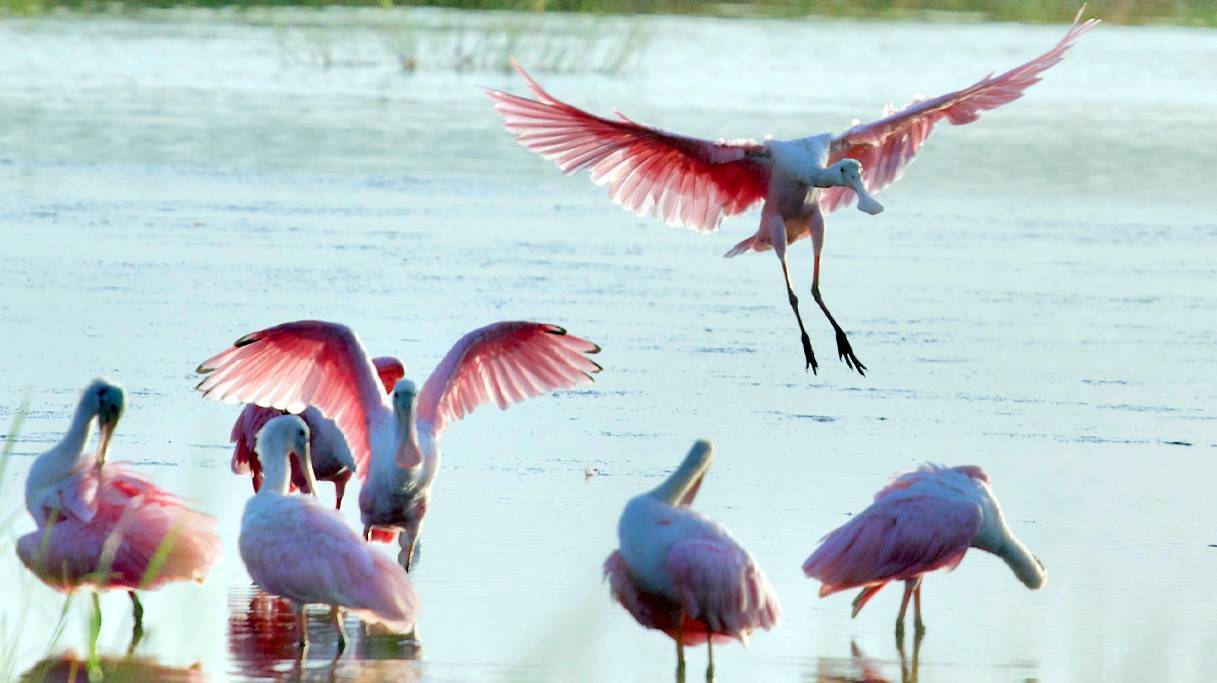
1039 299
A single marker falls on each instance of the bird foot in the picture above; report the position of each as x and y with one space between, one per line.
846 353
809 356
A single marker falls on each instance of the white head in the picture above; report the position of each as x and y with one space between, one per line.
107 401
279 439
848 173
681 486
405 396
995 537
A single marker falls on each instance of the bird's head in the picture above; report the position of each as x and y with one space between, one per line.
848 173
107 400
405 396
280 439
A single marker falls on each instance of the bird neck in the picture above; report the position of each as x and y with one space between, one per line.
680 486
276 471
408 448
995 537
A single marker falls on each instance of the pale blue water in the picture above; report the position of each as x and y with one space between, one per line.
1038 299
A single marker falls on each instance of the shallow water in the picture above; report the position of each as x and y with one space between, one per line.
1038 299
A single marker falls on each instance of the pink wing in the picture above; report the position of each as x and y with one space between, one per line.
720 584
886 146
244 435
505 362
683 180
302 551
389 370
294 365
896 538
118 545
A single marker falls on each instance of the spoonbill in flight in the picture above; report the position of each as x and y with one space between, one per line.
682 573
332 459
696 183
924 520
101 525
293 365
296 548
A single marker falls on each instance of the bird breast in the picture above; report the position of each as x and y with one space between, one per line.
647 530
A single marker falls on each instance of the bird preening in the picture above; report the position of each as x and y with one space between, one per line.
696 183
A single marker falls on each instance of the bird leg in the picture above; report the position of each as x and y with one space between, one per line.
336 617
710 655
302 620
904 605
918 624
844 351
94 627
340 487
137 631
680 647
777 235
406 557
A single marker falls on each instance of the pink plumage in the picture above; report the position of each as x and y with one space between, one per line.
103 526
504 362
693 182
679 179
327 440
295 548
295 365
924 520
134 517
885 147
683 574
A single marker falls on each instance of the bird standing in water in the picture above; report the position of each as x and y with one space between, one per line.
682 573
696 183
101 525
924 520
293 365
296 548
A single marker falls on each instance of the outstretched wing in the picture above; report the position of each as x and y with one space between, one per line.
886 146
505 362
896 538
683 180
295 365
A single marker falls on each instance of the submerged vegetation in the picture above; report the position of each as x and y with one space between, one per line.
1184 12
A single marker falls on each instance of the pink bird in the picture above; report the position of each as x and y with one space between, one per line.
295 548
324 364
679 572
924 520
332 459
696 183
102 526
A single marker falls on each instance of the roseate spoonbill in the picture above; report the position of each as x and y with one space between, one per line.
324 364
682 573
295 548
924 520
332 459
101 525
696 183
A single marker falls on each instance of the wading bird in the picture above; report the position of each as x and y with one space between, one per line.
297 364
332 459
682 573
296 548
924 520
696 183
104 527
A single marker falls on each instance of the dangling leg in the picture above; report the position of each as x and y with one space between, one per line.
302 620
710 655
406 557
777 235
336 617
680 647
137 631
340 487
844 351
904 605
918 624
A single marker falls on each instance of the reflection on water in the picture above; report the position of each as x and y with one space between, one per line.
263 636
69 668
862 669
